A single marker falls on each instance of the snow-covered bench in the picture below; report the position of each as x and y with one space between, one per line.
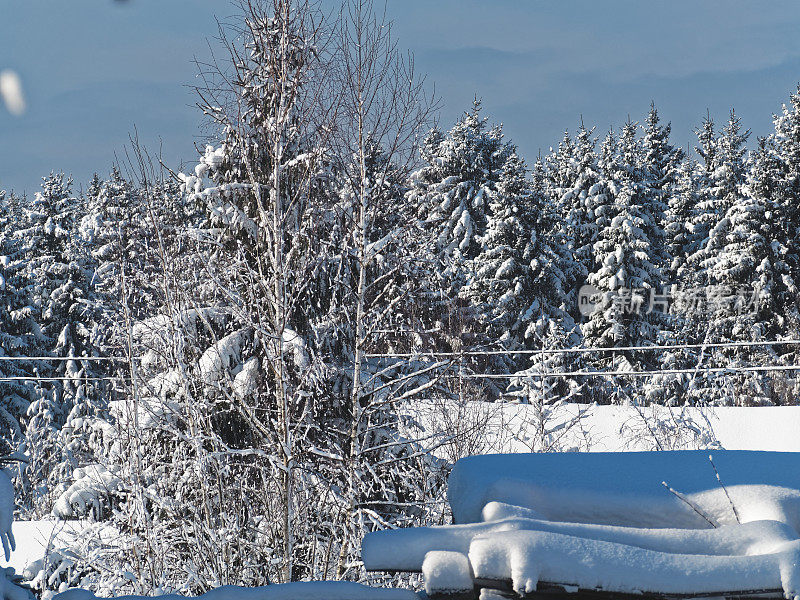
659 524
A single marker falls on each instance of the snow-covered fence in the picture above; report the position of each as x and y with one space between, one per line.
662 525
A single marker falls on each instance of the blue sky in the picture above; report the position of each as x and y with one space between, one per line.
94 69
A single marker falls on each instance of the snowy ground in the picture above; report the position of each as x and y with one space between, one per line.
34 537
509 428
309 590
618 428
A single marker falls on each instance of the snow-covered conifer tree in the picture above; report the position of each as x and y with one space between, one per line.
579 188
59 275
627 259
744 283
660 162
453 189
776 180
681 208
718 177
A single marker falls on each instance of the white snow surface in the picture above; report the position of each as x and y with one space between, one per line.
407 549
12 562
627 489
32 545
613 428
446 572
312 590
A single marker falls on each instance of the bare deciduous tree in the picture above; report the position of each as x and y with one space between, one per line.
382 112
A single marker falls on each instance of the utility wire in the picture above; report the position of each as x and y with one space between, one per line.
586 350
75 379
65 358
523 375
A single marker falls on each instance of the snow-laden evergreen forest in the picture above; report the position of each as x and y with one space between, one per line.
215 368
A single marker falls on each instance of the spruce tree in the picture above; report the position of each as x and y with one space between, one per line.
719 175
517 282
627 267
20 332
682 204
452 194
453 190
743 286
581 182
660 162
777 167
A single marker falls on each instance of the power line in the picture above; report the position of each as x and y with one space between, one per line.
64 358
586 350
698 370
75 379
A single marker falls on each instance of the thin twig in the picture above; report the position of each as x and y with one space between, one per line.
724 489
691 504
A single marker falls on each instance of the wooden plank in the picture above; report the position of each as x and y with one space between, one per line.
558 591
470 595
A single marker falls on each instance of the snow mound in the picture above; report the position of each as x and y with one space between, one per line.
310 590
494 511
526 558
406 549
608 522
627 489
446 573
9 590
751 557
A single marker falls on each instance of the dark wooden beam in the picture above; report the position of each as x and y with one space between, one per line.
558 591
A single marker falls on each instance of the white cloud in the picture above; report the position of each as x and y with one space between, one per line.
11 92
